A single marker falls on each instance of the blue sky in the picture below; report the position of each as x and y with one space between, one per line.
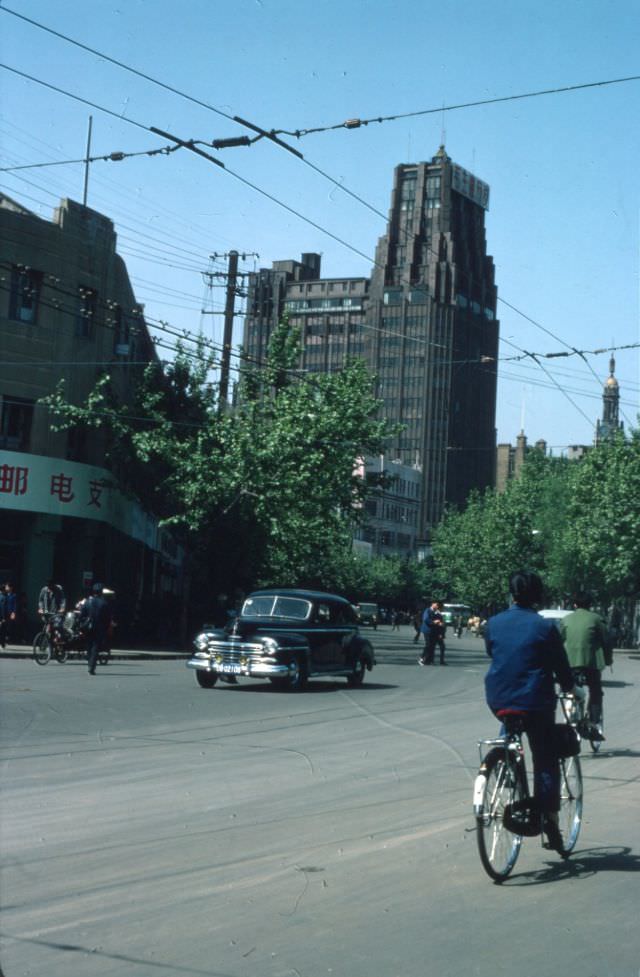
563 225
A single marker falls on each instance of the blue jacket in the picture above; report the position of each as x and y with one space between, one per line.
430 618
527 655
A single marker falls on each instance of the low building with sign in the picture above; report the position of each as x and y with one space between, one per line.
68 313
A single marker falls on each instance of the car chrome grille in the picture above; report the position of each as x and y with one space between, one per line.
233 651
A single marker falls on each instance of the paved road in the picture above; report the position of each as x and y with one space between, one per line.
150 828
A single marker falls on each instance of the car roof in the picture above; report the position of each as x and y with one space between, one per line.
554 612
302 594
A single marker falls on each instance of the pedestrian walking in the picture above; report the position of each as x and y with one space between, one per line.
95 617
417 624
429 630
395 624
8 614
440 629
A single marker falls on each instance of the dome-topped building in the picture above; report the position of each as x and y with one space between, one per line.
610 422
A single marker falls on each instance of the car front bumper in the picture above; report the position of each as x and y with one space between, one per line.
251 667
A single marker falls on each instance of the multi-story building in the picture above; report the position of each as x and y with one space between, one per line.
68 313
425 323
510 459
393 508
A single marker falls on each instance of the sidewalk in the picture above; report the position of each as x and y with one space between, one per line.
125 654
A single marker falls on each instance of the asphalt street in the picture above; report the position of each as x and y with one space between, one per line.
150 827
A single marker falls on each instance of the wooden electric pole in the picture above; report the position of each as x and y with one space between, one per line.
227 339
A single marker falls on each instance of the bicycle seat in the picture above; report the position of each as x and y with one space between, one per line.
513 719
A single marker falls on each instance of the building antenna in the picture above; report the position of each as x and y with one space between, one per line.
443 131
522 411
86 163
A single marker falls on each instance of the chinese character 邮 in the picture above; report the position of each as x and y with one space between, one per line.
13 479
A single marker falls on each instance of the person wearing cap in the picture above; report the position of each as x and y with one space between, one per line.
95 617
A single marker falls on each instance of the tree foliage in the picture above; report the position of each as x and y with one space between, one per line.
576 523
265 493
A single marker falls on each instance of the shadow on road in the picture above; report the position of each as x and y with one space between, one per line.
582 864
88 951
311 688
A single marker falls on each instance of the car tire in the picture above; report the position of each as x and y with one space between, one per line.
357 676
206 680
298 674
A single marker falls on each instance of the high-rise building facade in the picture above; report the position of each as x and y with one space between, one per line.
425 323
433 341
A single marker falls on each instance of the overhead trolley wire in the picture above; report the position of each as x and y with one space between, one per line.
192 145
357 123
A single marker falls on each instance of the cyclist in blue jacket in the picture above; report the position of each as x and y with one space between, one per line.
527 657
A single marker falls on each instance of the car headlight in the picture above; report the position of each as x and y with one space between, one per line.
270 646
201 642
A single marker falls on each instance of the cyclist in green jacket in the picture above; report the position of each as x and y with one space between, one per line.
588 650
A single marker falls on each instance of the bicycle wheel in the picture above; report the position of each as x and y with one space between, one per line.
60 653
42 648
498 847
570 816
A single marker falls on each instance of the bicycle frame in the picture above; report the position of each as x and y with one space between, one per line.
510 742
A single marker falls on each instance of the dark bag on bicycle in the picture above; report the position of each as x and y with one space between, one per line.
566 739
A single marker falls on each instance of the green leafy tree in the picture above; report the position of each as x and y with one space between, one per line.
603 519
266 493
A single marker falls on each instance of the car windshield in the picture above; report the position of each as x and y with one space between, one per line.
272 606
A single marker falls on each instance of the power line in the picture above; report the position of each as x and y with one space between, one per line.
115 157
358 123
192 146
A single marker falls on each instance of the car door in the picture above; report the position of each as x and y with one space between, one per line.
323 640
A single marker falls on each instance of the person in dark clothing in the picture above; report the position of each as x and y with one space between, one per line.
440 629
51 599
527 657
431 623
95 616
8 614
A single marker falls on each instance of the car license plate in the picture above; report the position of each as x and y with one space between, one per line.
230 669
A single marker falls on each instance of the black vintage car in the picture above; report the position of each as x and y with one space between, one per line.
286 636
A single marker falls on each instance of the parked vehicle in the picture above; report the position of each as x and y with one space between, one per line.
286 636
368 614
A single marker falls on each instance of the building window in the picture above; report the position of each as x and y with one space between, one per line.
86 311
25 294
15 424
120 332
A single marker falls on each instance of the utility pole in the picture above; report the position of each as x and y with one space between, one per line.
232 275
227 338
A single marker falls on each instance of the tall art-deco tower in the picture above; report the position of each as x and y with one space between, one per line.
425 323
434 336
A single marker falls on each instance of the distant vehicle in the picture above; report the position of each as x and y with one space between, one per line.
286 636
451 611
554 614
368 614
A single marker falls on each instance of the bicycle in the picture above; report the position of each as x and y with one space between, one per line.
61 638
580 718
50 642
504 808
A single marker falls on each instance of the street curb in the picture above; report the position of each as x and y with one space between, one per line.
119 655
